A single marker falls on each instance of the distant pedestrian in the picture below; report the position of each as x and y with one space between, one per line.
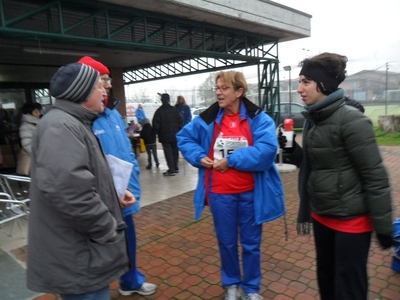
140 114
166 123
29 120
184 110
149 137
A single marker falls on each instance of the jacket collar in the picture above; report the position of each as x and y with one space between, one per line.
76 110
30 119
323 109
211 113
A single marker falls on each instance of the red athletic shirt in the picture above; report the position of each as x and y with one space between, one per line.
360 224
233 135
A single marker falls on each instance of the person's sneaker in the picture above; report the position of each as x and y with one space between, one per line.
146 289
148 167
252 296
168 173
157 164
176 171
232 293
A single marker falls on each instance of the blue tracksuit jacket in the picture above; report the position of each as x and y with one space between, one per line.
194 142
110 130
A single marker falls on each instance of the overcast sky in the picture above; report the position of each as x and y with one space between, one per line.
367 32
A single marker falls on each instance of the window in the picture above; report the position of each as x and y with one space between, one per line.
296 109
43 97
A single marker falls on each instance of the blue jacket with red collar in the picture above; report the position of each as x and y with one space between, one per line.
110 130
195 140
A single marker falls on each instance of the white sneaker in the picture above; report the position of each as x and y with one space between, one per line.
146 289
232 293
252 296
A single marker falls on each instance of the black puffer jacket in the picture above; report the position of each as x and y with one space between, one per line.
342 174
167 121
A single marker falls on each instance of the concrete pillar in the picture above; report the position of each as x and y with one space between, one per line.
118 90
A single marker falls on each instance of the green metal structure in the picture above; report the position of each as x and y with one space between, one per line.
194 47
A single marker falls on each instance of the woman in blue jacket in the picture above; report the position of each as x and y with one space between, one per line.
233 144
184 110
140 115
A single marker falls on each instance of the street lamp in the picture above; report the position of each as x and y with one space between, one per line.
289 68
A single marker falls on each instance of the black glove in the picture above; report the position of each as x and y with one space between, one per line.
385 240
281 140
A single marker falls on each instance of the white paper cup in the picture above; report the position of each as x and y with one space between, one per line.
289 138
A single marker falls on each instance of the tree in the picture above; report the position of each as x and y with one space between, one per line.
207 95
139 96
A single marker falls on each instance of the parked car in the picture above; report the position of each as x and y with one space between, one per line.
196 111
296 109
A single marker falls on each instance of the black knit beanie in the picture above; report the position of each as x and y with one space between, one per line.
73 82
326 82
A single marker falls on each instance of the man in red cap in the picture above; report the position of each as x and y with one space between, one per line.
110 130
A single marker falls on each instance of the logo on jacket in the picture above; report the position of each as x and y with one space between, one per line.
99 131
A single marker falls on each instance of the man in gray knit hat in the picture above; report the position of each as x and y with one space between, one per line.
77 243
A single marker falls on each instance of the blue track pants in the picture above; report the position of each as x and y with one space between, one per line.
233 216
132 279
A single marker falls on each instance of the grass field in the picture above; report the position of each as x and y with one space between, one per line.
374 111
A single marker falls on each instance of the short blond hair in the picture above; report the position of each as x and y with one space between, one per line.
233 78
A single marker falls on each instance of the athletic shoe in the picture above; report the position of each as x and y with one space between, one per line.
148 167
252 296
232 293
146 289
157 164
168 173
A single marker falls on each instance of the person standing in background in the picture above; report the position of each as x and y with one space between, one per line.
77 244
110 130
29 120
166 123
140 115
184 110
147 134
343 185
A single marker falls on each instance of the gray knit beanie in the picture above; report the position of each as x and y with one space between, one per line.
73 82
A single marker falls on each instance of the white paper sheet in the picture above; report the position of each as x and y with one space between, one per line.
121 171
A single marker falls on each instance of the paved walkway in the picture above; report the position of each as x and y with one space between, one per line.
181 255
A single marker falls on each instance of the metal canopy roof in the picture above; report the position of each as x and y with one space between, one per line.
141 36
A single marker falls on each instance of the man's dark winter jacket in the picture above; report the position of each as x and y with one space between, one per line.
74 209
167 121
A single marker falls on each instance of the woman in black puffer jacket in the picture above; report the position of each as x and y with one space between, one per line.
343 185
